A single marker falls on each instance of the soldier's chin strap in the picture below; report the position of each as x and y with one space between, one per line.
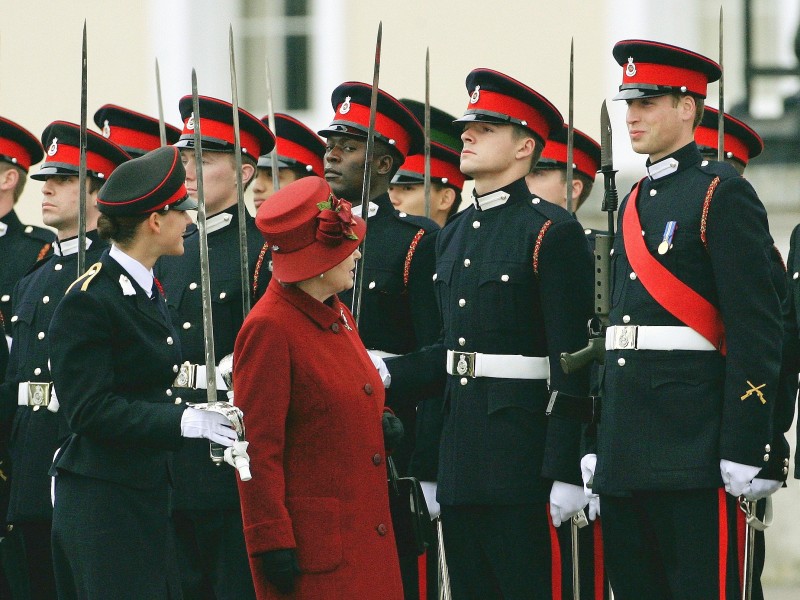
752 520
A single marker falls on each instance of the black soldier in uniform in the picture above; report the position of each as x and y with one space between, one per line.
132 131
513 280
114 353
20 245
548 180
206 512
28 399
398 310
694 348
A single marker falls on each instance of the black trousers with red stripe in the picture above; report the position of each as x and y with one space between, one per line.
670 545
591 563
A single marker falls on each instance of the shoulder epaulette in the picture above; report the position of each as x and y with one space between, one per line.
87 277
416 221
550 211
39 233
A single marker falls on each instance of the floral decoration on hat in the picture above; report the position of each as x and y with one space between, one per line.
335 221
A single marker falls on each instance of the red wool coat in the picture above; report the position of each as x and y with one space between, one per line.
313 402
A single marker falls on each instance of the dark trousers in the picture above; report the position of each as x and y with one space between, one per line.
501 552
212 558
13 569
591 562
39 558
670 545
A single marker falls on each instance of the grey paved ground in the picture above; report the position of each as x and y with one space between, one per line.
781 593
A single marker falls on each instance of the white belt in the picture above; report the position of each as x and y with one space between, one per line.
505 366
194 377
655 337
37 394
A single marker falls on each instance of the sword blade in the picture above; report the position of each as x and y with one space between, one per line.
721 116
570 128
576 576
162 127
276 183
365 190
237 156
82 164
205 275
427 172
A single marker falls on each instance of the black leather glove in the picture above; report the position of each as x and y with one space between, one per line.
392 431
280 568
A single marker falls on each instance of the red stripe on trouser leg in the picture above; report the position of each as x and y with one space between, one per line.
741 533
422 575
599 564
723 541
555 558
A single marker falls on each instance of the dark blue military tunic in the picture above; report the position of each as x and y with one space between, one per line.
670 416
20 247
37 432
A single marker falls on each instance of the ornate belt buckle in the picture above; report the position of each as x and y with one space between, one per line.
187 376
466 364
38 394
625 337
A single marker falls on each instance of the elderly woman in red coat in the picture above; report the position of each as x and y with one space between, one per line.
316 513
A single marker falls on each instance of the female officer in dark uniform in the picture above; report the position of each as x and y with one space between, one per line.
114 356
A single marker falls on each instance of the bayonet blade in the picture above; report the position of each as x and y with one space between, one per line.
276 183
606 149
237 156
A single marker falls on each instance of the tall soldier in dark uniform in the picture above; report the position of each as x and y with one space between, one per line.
132 131
548 180
514 284
27 397
398 309
694 347
20 245
206 512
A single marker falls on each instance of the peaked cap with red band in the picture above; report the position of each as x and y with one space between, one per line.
216 128
297 146
394 123
444 130
134 132
444 168
740 143
307 239
498 98
62 143
154 181
19 146
655 69
585 153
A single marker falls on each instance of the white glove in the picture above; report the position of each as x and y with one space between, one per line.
566 500
378 363
53 405
429 491
588 465
207 424
594 507
761 488
737 477
237 457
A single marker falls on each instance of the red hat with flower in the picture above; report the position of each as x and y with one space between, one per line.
308 229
